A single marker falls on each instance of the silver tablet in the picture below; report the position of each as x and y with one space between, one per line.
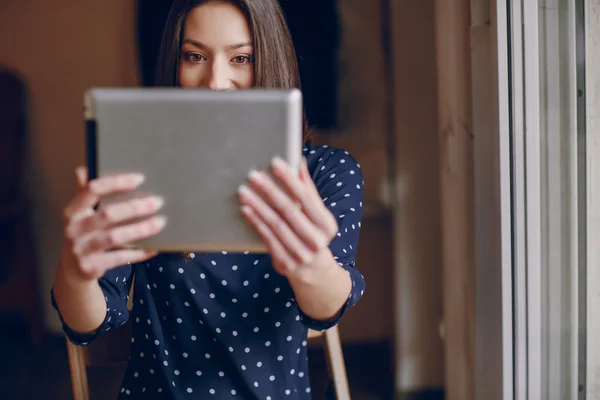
195 147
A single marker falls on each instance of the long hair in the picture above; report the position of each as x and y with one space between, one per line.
275 63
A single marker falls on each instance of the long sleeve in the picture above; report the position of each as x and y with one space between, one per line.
115 285
339 179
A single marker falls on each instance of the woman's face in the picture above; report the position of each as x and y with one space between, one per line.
216 50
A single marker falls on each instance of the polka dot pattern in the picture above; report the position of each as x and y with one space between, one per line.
226 325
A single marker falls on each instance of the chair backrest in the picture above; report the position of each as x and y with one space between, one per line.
112 348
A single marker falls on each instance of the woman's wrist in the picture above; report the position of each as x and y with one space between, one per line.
321 269
68 270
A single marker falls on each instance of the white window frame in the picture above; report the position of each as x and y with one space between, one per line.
542 184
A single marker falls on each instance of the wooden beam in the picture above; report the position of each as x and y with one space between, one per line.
417 238
457 194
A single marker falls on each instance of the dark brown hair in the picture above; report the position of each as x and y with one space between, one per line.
275 63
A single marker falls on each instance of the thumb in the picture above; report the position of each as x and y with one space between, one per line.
304 173
81 174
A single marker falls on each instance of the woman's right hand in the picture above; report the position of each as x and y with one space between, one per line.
95 237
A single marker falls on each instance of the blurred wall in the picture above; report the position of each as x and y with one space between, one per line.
365 132
61 48
388 106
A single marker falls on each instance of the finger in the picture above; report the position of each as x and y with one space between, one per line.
279 255
113 184
303 188
303 170
81 174
276 224
305 177
96 264
71 211
114 214
80 206
119 236
304 227
94 190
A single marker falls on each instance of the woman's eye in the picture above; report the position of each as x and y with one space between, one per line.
242 59
194 57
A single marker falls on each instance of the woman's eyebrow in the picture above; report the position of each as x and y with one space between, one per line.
203 46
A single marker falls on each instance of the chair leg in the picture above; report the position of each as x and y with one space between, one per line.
336 364
77 366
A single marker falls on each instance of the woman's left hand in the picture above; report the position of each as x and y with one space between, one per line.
290 217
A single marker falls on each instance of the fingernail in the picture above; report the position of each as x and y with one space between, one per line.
161 222
246 209
277 162
138 179
157 201
243 189
254 175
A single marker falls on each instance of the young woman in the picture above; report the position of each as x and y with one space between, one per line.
219 325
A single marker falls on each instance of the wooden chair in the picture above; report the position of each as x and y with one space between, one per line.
112 348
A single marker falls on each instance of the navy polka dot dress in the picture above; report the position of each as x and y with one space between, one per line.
223 325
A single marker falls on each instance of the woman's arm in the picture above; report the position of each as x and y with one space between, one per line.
80 301
311 230
91 285
323 290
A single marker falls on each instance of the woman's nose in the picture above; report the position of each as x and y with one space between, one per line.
218 79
